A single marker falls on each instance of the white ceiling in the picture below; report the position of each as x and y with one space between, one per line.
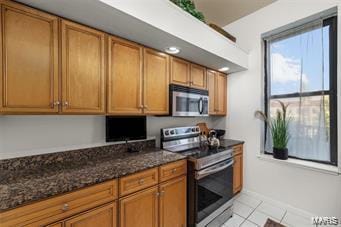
223 12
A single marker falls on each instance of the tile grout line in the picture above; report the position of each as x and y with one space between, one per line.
254 209
286 211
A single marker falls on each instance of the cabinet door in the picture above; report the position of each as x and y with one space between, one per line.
221 93
237 173
180 72
156 82
29 80
82 69
124 77
211 80
173 203
105 216
198 77
59 224
140 209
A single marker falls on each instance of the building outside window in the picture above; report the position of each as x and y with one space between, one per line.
301 70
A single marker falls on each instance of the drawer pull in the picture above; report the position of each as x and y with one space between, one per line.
141 181
174 170
65 207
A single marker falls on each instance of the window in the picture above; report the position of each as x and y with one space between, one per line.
301 70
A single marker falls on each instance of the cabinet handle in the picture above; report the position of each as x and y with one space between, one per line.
65 207
141 181
157 194
56 103
174 170
162 193
65 103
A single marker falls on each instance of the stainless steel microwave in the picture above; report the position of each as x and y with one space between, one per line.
188 102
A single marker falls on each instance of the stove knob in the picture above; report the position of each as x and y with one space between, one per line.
167 132
197 129
193 129
172 132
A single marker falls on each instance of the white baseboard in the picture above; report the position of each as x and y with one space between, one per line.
278 203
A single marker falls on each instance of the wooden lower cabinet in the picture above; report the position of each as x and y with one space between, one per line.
160 203
59 224
173 203
140 209
238 169
105 216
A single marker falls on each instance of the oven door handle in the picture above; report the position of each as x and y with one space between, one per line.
212 170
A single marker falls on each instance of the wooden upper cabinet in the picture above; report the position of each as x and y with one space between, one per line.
102 216
29 79
83 79
198 77
125 77
173 203
156 82
211 84
217 90
180 71
221 94
140 209
187 74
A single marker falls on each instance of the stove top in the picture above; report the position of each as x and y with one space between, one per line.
202 152
187 141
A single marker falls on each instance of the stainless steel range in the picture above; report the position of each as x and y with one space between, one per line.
210 174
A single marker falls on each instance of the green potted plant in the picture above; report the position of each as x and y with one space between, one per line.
279 129
189 6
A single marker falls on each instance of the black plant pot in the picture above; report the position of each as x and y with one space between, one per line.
280 153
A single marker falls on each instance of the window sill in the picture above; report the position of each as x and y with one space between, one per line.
324 168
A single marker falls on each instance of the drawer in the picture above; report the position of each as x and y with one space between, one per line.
172 170
238 149
138 181
60 207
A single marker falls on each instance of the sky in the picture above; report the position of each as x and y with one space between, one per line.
300 55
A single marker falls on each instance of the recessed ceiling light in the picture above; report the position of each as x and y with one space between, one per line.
172 50
224 69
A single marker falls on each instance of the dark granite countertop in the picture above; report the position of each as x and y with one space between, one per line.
22 186
228 143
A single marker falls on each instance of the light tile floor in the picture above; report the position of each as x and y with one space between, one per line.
253 212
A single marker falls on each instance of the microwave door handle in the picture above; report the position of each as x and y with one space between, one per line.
212 170
200 105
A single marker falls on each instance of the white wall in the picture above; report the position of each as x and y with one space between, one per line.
29 135
316 192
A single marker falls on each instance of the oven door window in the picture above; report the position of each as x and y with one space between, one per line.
213 191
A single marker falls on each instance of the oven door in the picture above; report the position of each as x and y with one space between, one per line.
214 188
189 104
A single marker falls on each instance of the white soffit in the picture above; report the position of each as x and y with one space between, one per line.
154 23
